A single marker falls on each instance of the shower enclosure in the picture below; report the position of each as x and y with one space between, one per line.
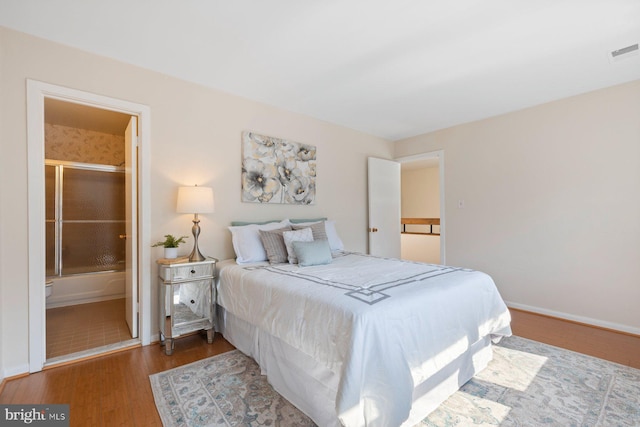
85 228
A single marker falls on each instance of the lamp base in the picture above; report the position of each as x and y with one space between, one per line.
195 255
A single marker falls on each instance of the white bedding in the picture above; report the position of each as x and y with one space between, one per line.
383 326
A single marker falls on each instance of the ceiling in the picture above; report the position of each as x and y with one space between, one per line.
393 69
73 115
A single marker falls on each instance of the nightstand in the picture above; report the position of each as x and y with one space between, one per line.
187 296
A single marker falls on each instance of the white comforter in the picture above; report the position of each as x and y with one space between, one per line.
383 325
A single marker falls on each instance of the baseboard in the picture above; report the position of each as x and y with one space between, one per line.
15 377
91 354
16 372
579 319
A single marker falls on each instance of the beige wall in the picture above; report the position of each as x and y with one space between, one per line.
552 203
195 139
421 193
421 199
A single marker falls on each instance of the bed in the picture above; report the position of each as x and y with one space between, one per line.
361 340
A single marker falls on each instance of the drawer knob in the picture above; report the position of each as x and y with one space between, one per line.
193 271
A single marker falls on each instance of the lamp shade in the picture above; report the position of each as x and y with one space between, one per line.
195 200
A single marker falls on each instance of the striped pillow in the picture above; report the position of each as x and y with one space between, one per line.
274 246
317 228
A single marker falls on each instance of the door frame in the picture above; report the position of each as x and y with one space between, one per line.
439 154
36 93
131 226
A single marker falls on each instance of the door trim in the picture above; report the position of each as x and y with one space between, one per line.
439 154
36 93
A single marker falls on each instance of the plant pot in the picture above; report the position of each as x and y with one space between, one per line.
171 253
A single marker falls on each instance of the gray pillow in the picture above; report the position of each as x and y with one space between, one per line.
317 252
317 228
274 246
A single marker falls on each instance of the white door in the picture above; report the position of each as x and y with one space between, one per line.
131 236
384 207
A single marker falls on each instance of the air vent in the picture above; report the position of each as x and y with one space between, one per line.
624 53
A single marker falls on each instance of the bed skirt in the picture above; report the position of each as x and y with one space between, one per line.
312 387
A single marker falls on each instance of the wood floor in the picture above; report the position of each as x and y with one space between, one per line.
598 342
114 390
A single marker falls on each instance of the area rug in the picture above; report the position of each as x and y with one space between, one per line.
223 390
526 384
533 384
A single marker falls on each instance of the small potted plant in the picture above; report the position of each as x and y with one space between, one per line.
170 245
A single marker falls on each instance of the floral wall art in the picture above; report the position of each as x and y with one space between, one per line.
277 171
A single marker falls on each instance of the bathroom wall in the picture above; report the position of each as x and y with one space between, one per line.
84 146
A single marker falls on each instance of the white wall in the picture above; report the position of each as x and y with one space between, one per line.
552 203
195 139
421 199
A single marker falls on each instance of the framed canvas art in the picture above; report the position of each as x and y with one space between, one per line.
275 170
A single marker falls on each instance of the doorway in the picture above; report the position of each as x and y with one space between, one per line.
422 200
384 203
85 221
38 95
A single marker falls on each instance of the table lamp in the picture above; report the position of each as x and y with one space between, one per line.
195 200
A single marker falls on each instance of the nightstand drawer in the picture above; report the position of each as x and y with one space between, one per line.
186 272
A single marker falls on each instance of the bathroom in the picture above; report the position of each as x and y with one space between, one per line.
85 228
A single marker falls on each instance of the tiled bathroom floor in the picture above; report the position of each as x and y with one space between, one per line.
81 327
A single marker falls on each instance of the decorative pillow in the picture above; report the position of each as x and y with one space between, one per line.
317 252
274 246
246 241
317 228
302 235
332 235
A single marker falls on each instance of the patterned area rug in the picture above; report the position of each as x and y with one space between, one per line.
526 384
533 384
223 390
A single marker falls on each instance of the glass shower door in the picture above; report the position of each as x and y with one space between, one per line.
85 219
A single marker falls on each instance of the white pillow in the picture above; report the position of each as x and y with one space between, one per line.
246 241
332 235
302 235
